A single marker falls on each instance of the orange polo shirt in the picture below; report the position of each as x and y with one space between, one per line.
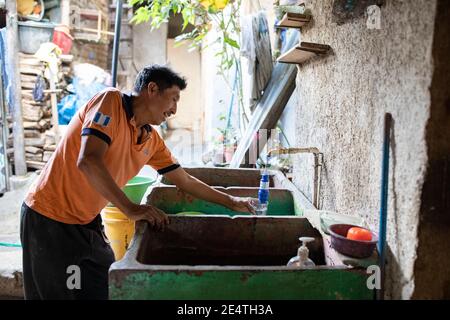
63 193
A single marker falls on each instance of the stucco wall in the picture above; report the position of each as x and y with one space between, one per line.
341 104
149 46
190 107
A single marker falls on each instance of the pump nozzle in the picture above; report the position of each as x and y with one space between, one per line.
303 251
305 240
301 259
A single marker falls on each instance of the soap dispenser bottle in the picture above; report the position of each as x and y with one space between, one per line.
302 259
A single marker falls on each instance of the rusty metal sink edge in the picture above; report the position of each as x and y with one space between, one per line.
130 279
130 260
281 183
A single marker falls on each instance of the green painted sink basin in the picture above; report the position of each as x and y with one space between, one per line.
171 201
223 254
221 257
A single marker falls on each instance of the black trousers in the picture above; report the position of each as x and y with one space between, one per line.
63 261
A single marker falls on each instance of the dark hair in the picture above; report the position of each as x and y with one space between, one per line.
163 76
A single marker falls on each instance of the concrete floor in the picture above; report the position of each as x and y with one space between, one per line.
184 147
11 257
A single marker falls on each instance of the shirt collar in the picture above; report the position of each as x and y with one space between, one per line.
128 106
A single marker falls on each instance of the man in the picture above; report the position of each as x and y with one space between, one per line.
107 142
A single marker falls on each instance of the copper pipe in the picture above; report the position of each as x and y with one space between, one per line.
318 163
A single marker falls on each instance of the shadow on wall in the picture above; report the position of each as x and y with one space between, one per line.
394 189
331 188
432 265
394 274
394 277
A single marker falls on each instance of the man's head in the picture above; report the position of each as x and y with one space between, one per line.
160 87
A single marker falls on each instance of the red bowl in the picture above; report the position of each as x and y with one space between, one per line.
349 247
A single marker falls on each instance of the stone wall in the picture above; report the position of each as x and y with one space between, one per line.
91 52
85 47
342 100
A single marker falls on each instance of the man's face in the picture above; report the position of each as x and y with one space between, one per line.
162 104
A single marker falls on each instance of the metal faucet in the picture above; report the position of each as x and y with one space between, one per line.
318 163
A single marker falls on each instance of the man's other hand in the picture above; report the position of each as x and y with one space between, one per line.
156 217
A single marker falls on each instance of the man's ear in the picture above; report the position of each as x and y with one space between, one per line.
152 87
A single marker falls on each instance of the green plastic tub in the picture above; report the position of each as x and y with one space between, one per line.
136 188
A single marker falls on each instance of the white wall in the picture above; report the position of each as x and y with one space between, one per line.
188 64
149 46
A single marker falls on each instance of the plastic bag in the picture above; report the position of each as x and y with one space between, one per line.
39 87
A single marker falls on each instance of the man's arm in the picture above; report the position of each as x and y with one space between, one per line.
198 189
90 163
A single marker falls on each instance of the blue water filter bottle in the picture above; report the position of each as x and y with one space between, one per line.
263 193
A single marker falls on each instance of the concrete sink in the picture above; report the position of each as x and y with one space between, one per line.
220 257
227 255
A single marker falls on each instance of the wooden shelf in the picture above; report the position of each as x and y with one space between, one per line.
90 14
304 52
87 32
294 20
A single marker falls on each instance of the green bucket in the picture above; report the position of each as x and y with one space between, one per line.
136 188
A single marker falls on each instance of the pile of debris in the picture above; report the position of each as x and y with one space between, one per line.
38 105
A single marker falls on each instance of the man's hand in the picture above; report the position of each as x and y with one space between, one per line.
157 218
243 204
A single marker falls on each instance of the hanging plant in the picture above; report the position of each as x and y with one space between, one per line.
202 15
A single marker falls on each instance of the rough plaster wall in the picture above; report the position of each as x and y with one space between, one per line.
432 275
287 122
149 46
188 64
342 101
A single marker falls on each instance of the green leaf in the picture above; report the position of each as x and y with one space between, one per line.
142 14
231 42
133 2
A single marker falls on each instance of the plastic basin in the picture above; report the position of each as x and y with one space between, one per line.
136 188
32 34
349 247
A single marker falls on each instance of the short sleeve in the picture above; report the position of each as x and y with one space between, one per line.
102 116
162 159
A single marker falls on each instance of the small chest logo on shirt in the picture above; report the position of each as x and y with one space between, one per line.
102 119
